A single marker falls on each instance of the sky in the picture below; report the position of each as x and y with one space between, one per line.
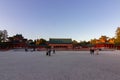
76 19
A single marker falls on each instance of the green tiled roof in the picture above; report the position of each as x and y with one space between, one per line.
60 41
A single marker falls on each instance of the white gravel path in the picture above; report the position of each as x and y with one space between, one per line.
64 65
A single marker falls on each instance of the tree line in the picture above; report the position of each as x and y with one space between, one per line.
18 38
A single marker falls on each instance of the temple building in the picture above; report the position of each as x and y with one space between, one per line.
60 43
105 45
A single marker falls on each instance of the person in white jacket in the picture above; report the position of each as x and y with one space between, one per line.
97 51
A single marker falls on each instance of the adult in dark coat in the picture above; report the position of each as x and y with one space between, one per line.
92 51
49 52
53 51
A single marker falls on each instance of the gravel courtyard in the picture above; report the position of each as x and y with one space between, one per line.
64 65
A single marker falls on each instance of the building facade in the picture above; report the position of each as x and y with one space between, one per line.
105 45
60 43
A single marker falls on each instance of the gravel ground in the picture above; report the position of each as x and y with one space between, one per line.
64 65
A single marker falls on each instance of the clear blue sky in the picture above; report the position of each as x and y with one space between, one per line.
76 19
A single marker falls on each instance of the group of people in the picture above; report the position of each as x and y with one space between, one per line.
48 53
92 50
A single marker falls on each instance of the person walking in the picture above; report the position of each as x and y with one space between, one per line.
97 51
53 51
46 53
92 51
49 52
26 49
